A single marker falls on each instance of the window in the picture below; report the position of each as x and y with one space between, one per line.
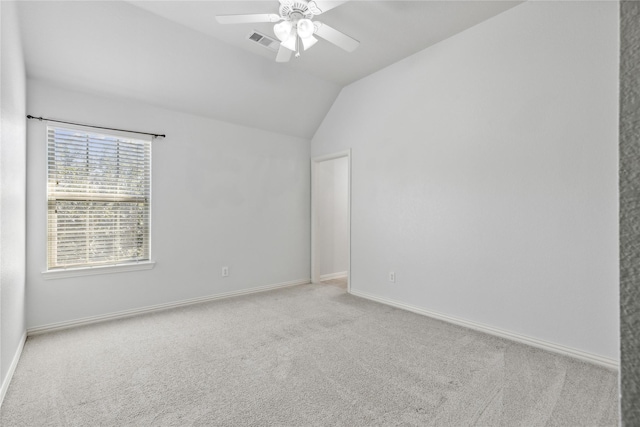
99 199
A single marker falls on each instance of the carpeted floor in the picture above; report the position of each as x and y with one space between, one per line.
300 356
341 282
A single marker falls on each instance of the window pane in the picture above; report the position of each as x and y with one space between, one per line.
99 199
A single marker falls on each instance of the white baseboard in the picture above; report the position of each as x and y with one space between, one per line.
129 313
534 342
330 276
12 368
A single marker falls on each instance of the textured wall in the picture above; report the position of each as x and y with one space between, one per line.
485 175
222 195
630 211
12 188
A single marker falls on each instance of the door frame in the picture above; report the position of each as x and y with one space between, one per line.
315 243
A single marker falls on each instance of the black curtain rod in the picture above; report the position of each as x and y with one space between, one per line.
155 135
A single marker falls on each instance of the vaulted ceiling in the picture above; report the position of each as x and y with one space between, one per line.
174 54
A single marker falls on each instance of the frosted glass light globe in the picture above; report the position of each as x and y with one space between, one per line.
307 42
305 28
282 30
290 43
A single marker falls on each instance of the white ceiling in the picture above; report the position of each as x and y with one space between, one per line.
174 54
388 30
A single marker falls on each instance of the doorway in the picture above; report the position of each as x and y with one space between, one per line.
331 218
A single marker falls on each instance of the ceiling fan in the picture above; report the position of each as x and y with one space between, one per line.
294 25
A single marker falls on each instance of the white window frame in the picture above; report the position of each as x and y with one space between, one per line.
59 273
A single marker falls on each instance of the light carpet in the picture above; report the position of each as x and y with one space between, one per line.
308 355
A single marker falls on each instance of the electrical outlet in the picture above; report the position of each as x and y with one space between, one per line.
225 271
392 276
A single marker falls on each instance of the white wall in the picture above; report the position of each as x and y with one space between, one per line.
223 195
12 190
484 173
333 194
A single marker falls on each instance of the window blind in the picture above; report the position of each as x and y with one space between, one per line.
99 198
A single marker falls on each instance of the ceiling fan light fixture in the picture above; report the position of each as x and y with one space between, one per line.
282 30
294 26
290 43
308 42
305 28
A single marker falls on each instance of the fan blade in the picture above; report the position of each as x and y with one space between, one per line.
336 37
248 19
284 54
321 6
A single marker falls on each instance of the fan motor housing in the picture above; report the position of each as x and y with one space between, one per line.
295 10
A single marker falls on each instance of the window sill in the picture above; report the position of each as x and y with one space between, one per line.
102 269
